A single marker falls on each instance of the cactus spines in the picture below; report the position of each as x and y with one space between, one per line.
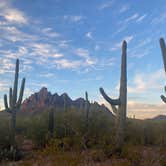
14 103
119 105
163 50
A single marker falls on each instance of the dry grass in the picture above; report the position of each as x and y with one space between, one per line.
131 156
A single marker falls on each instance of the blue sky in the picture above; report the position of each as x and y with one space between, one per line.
75 46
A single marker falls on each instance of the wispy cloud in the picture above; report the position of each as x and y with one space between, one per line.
159 19
124 8
47 75
143 110
89 35
141 18
84 53
50 32
150 81
105 5
119 44
13 34
132 17
74 18
67 64
11 14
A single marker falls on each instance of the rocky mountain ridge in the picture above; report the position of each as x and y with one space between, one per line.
44 99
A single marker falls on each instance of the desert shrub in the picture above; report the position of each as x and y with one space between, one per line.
131 153
4 133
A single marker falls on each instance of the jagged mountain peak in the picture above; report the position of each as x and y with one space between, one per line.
43 99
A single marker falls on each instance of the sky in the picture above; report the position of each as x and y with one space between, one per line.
74 46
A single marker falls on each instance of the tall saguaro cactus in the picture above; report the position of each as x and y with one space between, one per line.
14 102
87 109
163 50
119 105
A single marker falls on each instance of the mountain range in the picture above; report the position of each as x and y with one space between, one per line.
43 100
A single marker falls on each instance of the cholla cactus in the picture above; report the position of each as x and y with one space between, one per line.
121 102
163 50
14 103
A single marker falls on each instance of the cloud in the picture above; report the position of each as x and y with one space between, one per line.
89 35
106 5
150 81
131 18
141 110
14 16
118 45
4 86
145 110
84 53
67 64
47 75
141 18
49 32
6 65
159 19
73 18
11 14
13 34
124 8
44 50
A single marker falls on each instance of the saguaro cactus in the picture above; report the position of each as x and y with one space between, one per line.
163 50
87 106
51 122
14 103
64 103
121 102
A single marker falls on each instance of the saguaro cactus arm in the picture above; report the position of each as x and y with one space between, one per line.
163 98
114 109
108 99
163 50
5 102
21 93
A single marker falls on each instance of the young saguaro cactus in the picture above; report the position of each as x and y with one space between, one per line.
14 102
119 105
163 50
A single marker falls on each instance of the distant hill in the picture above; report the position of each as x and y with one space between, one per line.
159 117
43 100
